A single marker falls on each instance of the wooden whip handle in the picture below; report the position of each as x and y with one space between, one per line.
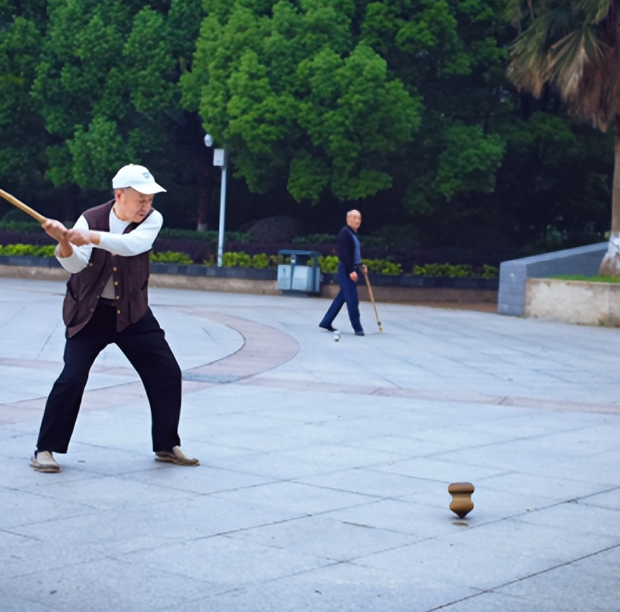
29 211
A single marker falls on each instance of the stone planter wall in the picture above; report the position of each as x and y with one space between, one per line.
580 302
514 274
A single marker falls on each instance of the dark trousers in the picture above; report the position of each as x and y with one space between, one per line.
347 295
145 346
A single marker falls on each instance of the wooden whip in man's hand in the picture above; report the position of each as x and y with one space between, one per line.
29 211
53 228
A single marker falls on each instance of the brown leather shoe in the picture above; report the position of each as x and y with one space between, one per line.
43 461
176 456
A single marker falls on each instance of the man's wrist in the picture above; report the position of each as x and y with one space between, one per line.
65 249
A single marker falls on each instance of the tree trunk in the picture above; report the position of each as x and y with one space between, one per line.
610 265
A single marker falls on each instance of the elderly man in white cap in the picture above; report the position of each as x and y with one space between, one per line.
108 255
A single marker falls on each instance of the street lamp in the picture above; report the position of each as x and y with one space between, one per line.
219 159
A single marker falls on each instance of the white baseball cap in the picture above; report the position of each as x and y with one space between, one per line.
137 177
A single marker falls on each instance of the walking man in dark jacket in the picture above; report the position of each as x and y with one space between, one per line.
349 267
107 253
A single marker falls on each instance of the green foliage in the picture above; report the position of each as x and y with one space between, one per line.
260 261
355 116
315 239
236 260
328 264
20 250
96 152
469 161
22 138
571 49
173 257
455 271
401 108
573 46
383 266
29 227
210 237
243 260
107 86
443 270
588 279
488 272
294 97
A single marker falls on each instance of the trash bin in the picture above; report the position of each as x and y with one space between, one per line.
301 275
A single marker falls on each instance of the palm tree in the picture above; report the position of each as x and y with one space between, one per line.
574 46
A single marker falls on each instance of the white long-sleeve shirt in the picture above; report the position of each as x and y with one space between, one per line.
135 242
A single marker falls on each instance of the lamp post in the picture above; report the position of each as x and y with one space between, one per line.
219 159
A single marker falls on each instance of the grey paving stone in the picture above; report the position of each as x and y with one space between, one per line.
582 519
324 466
338 541
345 587
487 556
106 584
586 584
300 498
11 603
22 507
227 562
208 480
494 601
605 499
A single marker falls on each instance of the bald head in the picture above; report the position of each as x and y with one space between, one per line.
354 219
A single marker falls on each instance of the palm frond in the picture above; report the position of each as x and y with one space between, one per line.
598 97
575 46
517 11
568 56
529 66
594 10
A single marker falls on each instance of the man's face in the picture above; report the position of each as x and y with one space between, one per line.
354 219
131 205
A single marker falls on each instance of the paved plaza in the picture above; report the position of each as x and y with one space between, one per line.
325 466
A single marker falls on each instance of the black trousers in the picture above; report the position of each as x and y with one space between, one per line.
145 346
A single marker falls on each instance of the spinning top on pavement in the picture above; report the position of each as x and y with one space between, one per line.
461 503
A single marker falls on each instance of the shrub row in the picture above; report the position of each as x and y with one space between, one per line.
202 246
328 263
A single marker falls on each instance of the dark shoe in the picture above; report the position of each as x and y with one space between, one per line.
43 461
360 333
175 456
329 328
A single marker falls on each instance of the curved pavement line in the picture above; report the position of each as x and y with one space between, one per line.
264 348
277 347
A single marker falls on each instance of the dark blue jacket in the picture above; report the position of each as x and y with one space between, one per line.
345 247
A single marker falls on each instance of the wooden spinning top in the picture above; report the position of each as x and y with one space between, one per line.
461 503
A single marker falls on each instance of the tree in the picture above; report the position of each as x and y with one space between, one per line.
22 134
107 86
295 98
573 46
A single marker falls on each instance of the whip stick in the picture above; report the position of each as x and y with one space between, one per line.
29 211
372 300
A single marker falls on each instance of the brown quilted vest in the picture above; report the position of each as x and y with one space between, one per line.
131 277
